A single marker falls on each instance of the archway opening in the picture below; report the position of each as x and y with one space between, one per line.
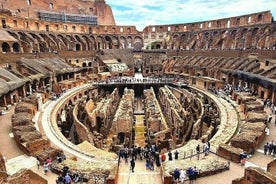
6 47
15 47
78 47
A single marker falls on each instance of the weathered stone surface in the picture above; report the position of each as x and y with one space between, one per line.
247 141
2 163
271 167
26 176
24 128
49 152
260 116
20 119
208 166
25 107
229 152
29 136
37 146
256 175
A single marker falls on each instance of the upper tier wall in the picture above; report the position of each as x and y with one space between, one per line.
30 8
244 20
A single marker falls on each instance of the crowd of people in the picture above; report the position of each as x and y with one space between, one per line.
270 148
180 175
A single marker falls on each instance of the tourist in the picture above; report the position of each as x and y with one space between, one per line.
67 179
205 149
147 164
243 157
197 151
45 167
274 149
182 176
157 160
270 148
163 157
170 156
76 177
195 173
49 163
269 118
60 179
132 164
37 162
190 173
176 155
176 175
266 146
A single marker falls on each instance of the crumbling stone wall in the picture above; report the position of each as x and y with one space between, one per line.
255 175
229 152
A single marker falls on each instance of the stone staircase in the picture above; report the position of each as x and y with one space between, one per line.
139 131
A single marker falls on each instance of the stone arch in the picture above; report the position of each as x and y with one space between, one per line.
43 46
108 42
60 44
78 47
38 40
175 42
255 31
129 42
51 44
6 47
123 42
14 34
115 42
71 42
26 42
88 42
100 42
64 40
93 42
16 47
82 42
138 43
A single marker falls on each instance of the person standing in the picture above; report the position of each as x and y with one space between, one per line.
182 176
176 175
176 155
163 157
170 156
45 167
132 164
67 179
266 146
37 163
197 151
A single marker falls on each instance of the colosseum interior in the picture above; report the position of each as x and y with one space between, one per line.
81 90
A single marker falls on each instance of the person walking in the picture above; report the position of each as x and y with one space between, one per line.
132 164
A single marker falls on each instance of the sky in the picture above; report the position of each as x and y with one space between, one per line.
141 13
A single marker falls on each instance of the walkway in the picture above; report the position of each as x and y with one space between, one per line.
14 156
140 175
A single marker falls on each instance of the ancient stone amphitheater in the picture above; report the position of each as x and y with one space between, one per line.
83 87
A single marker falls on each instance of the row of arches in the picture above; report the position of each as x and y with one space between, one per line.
49 42
8 47
238 38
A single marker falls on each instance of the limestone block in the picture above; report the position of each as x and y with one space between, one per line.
20 119
229 152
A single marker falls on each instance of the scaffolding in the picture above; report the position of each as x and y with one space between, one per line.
68 18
